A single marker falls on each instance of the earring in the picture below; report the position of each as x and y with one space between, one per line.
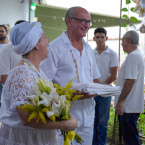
37 47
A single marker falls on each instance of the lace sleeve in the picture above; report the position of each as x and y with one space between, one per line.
21 82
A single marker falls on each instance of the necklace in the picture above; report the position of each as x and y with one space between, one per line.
33 68
77 69
76 65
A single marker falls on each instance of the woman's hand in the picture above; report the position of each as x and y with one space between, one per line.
70 125
66 125
23 116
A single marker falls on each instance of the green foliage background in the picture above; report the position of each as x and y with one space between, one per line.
140 126
128 11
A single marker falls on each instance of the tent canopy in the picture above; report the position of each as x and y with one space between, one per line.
53 20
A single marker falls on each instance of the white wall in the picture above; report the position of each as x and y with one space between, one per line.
13 10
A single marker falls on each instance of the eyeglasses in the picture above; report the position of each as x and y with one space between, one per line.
2 31
83 21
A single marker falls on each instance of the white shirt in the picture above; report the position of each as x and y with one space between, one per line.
60 67
8 59
107 59
133 68
3 45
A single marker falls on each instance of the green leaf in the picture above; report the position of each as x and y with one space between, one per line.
128 2
125 16
125 52
123 25
132 26
134 19
132 9
124 9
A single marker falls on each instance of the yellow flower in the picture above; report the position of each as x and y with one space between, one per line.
45 110
33 115
27 107
51 101
69 136
53 118
76 97
42 117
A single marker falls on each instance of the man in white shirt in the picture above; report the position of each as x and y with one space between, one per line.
130 103
70 57
107 62
3 42
8 59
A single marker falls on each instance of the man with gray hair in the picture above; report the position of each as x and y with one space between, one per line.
71 57
130 103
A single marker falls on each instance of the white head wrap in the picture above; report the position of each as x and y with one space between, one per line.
24 36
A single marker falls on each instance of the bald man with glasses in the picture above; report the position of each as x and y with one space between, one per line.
83 21
71 57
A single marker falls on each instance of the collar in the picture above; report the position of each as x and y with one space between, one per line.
107 50
67 41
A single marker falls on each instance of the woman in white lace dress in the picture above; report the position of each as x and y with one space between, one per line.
30 41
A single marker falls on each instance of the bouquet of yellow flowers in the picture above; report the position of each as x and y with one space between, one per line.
48 100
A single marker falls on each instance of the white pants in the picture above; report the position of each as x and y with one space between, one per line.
85 132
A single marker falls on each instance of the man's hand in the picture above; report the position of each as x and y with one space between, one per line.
85 95
119 108
128 85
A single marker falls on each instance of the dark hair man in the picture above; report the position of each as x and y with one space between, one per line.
107 62
3 36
